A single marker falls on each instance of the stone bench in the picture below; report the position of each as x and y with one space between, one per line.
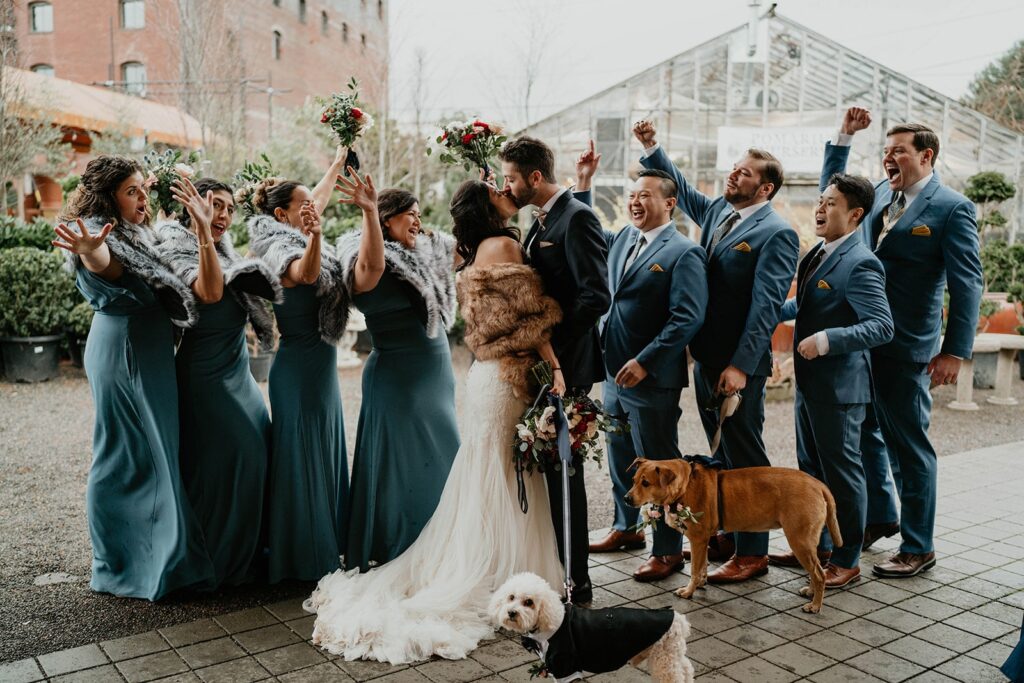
1006 345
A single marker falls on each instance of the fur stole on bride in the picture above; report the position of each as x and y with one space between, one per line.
427 267
249 280
136 248
278 244
507 316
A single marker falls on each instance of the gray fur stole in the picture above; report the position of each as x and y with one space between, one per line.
136 248
427 267
278 244
249 280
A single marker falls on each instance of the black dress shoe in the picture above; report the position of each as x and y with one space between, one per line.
583 595
874 532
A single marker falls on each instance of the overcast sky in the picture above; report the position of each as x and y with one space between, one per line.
473 50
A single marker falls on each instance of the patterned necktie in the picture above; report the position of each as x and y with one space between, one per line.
637 248
723 229
539 215
892 215
812 266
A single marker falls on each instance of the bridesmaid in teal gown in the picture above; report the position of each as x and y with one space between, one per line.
225 426
145 540
407 438
308 476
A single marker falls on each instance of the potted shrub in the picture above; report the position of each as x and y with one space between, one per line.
36 295
79 322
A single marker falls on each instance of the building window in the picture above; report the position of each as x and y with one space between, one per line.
380 9
134 76
302 11
277 3
344 32
277 45
41 17
362 41
44 69
133 14
324 24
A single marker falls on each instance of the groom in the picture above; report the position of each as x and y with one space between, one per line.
566 247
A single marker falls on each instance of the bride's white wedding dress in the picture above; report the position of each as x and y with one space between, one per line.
431 600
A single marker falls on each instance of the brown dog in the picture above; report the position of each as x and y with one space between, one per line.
747 499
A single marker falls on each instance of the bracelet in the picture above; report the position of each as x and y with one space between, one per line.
553 369
203 245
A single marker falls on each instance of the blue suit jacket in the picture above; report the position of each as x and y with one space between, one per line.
749 275
932 246
657 305
845 297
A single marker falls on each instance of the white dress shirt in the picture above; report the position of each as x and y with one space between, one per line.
548 205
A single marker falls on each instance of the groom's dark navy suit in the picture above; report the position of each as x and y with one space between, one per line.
569 252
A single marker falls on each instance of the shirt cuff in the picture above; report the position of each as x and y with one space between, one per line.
648 151
842 140
821 341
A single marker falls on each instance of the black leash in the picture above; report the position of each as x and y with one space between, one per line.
524 504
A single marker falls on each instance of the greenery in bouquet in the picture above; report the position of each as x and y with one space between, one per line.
344 114
676 516
163 168
470 143
535 446
246 179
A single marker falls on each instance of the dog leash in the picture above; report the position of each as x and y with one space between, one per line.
728 408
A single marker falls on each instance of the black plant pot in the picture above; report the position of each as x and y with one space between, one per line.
259 366
30 359
76 349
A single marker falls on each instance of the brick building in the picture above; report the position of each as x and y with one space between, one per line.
191 52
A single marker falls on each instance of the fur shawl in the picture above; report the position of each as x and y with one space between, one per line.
136 248
278 244
248 280
427 267
507 316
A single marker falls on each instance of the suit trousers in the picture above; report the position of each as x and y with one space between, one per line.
828 449
578 529
653 416
903 407
742 444
880 486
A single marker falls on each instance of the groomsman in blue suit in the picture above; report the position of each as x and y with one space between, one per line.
841 313
658 282
926 237
752 254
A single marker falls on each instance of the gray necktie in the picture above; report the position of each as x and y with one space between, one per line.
637 248
892 215
723 229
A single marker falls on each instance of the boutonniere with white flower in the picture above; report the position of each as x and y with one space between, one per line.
162 169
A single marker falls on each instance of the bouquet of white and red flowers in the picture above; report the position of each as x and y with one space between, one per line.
163 169
346 118
470 143
250 175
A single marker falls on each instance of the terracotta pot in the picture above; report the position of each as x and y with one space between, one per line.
1004 321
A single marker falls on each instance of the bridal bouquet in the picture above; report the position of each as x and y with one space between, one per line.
163 169
346 118
675 516
470 143
247 178
536 443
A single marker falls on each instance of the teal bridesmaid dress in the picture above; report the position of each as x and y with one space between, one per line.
225 437
145 539
407 436
308 479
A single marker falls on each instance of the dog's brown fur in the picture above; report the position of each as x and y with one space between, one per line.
752 499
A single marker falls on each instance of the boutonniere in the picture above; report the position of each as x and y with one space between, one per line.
656 269
823 285
742 246
921 231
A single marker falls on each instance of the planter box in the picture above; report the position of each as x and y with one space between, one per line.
259 366
30 359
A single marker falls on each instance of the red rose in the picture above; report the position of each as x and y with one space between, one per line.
482 125
323 119
445 136
467 138
357 113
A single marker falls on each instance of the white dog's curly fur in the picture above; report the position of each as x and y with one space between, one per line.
527 605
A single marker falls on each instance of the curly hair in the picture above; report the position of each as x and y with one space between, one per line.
475 219
204 185
95 194
273 193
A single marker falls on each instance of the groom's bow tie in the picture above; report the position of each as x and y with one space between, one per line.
540 215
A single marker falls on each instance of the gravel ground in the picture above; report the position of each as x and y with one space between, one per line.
45 436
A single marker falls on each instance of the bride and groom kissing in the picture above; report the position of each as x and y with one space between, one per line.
432 599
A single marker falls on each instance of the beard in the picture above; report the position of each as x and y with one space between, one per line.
738 196
524 197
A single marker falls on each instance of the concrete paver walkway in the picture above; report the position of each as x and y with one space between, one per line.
957 622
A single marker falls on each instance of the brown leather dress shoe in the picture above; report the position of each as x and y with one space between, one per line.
902 565
659 567
739 568
837 577
788 559
720 548
874 532
619 540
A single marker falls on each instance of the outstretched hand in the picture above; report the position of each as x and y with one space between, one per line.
310 218
644 131
586 165
855 119
199 208
80 243
357 191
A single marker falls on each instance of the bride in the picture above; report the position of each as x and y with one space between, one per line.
431 599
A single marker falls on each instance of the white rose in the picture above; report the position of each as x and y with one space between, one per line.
591 430
184 170
524 433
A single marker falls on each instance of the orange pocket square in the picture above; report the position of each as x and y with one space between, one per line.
921 231
742 246
823 285
656 269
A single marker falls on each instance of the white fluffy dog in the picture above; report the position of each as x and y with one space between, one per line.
572 640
